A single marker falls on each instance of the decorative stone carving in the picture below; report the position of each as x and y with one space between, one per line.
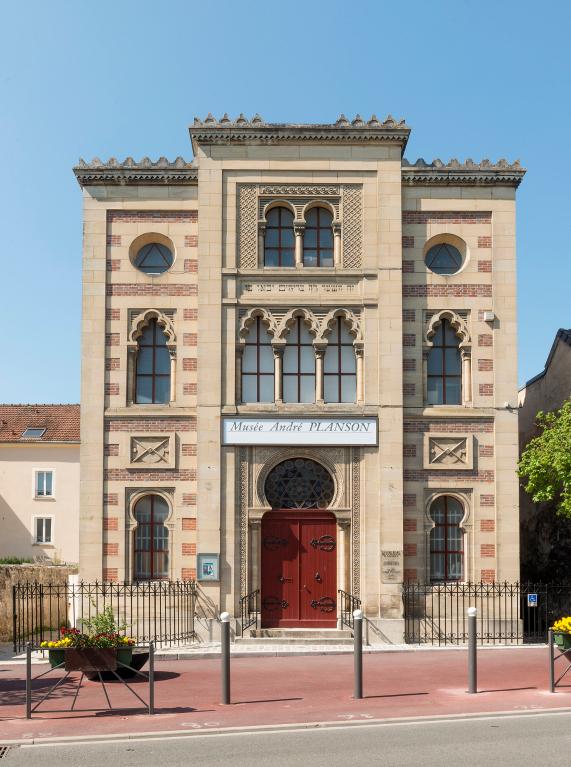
248 226
130 171
318 321
352 226
484 173
156 452
444 451
356 524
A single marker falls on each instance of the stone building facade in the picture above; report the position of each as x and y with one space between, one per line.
299 358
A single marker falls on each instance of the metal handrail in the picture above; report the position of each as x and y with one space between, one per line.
349 603
249 611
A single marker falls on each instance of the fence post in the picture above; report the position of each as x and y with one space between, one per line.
472 652
28 680
14 620
225 654
358 653
151 677
551 661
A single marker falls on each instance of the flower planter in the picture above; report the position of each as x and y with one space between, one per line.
563 641
91 659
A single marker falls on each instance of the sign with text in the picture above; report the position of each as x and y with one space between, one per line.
532 600
299 431
391 565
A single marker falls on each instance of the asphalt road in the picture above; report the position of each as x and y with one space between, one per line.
542 739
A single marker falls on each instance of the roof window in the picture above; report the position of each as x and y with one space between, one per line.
33 432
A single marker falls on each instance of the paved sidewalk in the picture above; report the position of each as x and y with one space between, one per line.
287 690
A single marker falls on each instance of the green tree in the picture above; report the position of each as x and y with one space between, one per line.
545 464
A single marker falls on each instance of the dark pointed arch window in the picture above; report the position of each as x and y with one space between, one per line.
444 368
318 238
340 365
299 364
258 365
153 378
279 240
151 539
446 540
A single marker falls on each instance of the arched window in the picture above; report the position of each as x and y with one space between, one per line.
279 240
299 365
318 238
443 259
446 540
299 483
151 538
153 378
258 365
444 369
340 366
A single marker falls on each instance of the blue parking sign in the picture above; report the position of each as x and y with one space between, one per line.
532 600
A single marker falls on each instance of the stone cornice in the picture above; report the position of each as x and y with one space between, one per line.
469 173
114 172
255 131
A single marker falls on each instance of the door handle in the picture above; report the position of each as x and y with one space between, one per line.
318 577
281 579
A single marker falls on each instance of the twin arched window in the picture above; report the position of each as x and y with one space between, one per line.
446 540
279 240
151 539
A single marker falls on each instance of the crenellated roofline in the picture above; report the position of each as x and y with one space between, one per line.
161 171
469 173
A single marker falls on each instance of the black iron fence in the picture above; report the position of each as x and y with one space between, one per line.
347 604
161 612
508 613
249 611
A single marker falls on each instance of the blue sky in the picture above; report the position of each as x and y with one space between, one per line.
473 79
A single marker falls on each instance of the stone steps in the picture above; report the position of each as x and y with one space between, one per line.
270 637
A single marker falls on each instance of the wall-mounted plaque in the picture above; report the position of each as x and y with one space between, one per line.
391 565
208 567
299 431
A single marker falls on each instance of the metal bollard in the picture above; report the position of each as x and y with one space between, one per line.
225 640
551 660
358 652
28 680
151 677
472 652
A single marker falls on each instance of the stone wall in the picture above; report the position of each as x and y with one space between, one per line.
10 575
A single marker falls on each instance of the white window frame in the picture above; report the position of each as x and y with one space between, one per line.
35 485
35 540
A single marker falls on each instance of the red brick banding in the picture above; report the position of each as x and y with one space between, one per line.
409 339
485 365
143 289
189 523
190 265
112 339
484 266
485 339
189 363
409 364
488 576
421 475
111 388
188 449
110 499
447 291
448 426
111 449
410 549
188 549
189 339
408 315
189 499
484 241
164 216
110 523
486 390
190 388
487 499
488 525
112 363
410 574
112 314
188 573
409 451
113 265
408 500
151 475
110 574
408 267
409 389
113 239
487 550
486 451
151 424
190 314
111 549
407 241
409 525
446 217
190 240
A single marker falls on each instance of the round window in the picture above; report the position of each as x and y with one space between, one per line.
154 258
443 259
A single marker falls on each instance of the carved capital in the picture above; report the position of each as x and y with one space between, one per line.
336 227
262 228
299 228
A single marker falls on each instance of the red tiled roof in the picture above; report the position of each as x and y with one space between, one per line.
61 422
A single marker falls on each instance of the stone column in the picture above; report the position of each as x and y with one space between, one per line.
299 229
360 354
343 526
337 244
172 353
261 241
319 355
131 366
466 376
254 580
425 353
278 360
238 390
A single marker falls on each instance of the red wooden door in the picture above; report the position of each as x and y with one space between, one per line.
299 569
